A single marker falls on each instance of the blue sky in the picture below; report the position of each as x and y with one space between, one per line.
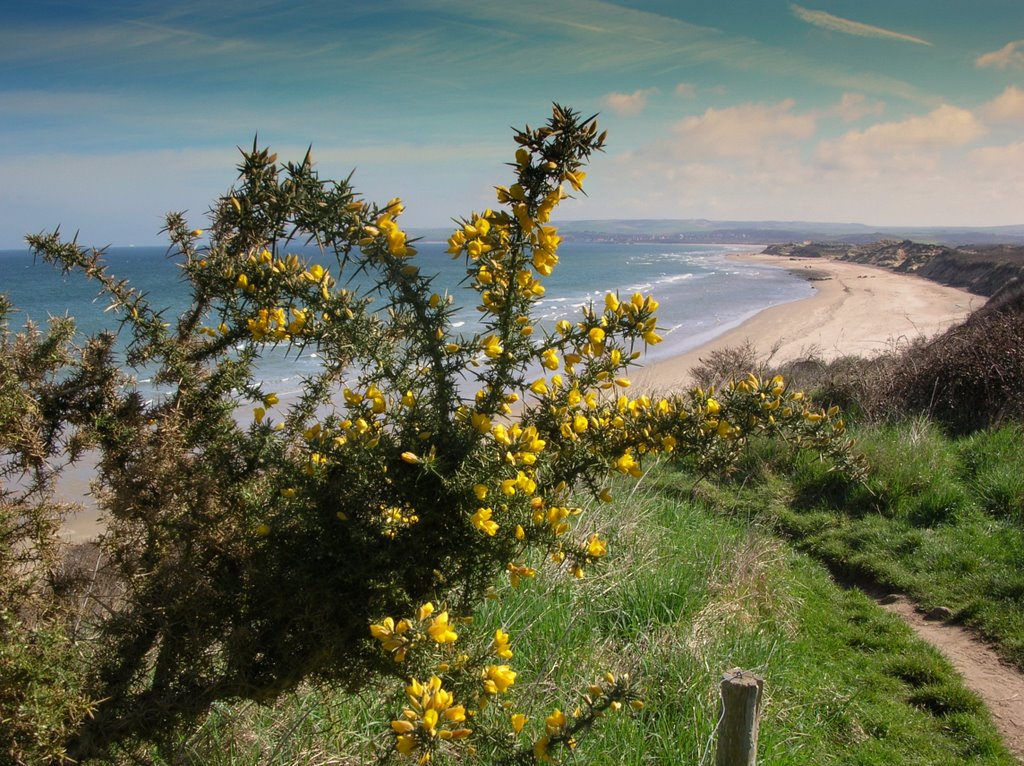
879 112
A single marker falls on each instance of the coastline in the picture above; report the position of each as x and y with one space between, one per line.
855 310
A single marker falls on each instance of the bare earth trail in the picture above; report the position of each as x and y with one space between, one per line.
999 684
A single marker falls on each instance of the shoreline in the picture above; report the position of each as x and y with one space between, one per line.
855 309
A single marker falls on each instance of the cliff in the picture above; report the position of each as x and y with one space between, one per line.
983 270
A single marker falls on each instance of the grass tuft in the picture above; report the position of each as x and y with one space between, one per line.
941 699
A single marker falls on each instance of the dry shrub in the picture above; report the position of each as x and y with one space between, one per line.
727 364
968 378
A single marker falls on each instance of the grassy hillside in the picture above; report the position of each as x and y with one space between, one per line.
707 586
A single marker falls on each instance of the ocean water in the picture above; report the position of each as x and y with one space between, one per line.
702 293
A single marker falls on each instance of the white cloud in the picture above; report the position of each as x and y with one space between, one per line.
1006 107
913 140
686 90
1010 55
751 162
628 103
995 175
856 106
848 27
999 161
742 130
940 190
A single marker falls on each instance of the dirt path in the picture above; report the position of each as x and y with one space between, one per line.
999 684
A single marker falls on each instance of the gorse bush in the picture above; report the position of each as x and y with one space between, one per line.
345 537
48 391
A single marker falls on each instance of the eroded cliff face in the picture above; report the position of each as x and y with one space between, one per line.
981 270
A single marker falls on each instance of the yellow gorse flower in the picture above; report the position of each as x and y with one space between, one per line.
596 547
427 719
482 521
441 631
392 636
491 346
576 179
498 678
517 572
540 749
501 646
518 722
555 723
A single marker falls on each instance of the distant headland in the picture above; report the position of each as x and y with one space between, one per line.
980 269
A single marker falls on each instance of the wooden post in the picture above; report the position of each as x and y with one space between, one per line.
741 715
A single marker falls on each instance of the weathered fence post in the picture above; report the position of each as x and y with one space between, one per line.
741 714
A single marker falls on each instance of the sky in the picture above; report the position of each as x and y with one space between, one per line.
885 113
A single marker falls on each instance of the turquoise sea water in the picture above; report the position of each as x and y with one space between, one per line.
701 292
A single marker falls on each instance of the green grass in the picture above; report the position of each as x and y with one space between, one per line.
940 518
692 588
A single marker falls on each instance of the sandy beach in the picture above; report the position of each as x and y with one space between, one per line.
854 310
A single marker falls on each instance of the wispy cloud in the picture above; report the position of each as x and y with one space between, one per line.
848 27
62 103
631 39
138 39
404 154
629 103
1009 56
856 106
78 192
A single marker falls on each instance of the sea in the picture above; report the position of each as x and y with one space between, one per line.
702 293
